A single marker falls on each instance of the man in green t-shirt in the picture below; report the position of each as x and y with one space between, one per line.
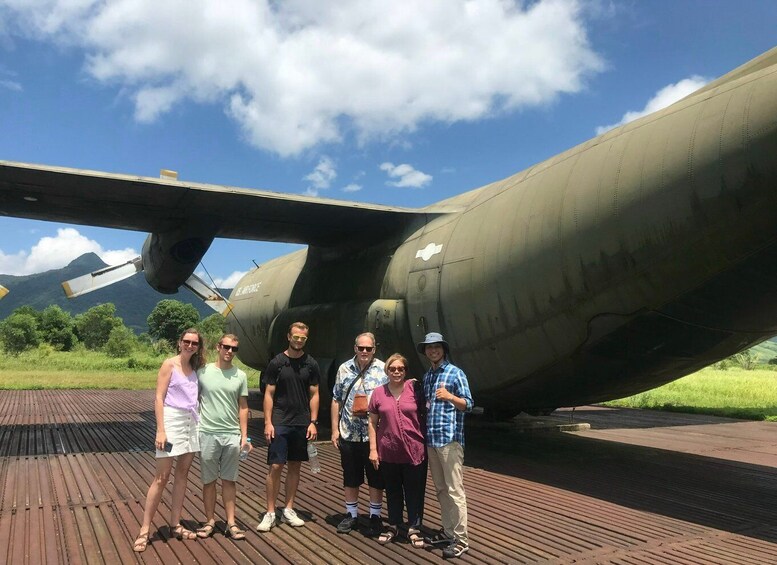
223 433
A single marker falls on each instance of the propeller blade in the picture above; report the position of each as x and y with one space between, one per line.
3 291
102 278
209 295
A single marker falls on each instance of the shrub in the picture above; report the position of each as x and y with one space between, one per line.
19 333
94 326
57 328
746 360
121 342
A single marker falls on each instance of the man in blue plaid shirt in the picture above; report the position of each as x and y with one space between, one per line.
447 399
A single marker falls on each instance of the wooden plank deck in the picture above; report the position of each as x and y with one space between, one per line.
639 487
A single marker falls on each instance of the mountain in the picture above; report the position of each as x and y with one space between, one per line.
133 298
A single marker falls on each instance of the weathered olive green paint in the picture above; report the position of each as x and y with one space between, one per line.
598 272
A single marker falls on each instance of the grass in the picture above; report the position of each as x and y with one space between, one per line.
735 393
44 368
39 380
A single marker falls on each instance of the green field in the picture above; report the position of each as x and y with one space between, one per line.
44 368
736 393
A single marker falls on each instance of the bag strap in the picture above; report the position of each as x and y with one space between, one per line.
350 388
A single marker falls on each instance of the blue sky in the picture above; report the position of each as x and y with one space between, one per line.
342 100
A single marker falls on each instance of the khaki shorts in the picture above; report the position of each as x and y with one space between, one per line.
219 457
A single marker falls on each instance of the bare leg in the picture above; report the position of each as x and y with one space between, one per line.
376 495
292 482
182 465
209 501
155 490
229 495
352 494
273 485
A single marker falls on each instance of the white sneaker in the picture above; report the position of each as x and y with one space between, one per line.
291 518
268 521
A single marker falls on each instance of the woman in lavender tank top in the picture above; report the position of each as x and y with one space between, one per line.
175 408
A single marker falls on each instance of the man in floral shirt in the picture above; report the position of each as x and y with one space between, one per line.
358 376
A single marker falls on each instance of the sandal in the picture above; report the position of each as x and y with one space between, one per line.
206 531
182 533
387 535
234 532
416 539
141 543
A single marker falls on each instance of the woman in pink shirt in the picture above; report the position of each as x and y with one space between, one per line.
398 448
175 408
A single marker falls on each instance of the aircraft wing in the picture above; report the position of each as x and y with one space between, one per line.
159 205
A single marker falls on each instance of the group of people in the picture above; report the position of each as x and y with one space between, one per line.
202 408
389 429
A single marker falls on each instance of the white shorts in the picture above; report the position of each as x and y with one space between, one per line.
182 431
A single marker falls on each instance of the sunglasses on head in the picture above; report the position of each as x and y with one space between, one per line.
228 347
365 347
190 343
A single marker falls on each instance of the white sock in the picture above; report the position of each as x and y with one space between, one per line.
352 508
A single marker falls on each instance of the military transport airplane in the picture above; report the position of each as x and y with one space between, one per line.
623 263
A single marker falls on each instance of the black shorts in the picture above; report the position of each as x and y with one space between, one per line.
355 459
289 444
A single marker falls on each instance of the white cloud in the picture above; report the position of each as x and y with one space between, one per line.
353 187
407 175
56 252
322 176
11 85
231 280
297 74
663 98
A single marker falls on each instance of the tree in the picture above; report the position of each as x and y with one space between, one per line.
212 328
27 309
19 333
121 342
57 328
94 326
169 318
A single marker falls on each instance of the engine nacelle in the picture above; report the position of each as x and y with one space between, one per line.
170 258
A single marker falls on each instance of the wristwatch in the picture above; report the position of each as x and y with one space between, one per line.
315 422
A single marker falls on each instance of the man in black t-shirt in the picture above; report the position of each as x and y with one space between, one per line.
290 420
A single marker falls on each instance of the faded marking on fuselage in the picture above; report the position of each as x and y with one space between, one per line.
428 252
248 289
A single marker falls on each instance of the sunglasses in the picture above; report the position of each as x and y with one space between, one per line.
190 343
395 369
365 347
299 338
228 347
